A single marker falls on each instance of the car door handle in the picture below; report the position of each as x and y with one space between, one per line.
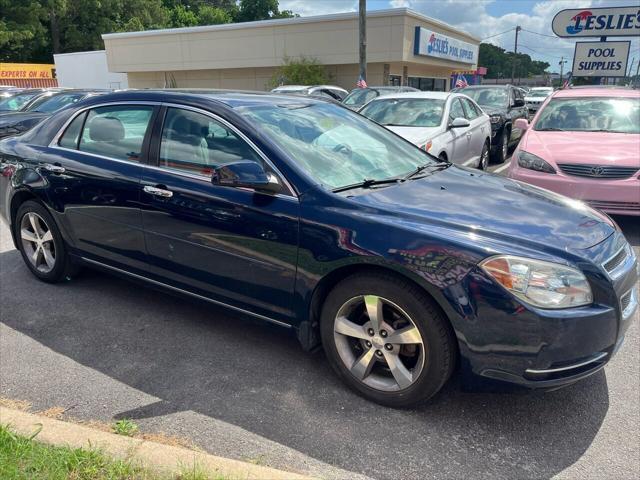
158 192
49 167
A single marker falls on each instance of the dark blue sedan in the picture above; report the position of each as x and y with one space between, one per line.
302 213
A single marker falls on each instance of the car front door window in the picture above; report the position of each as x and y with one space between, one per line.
195 143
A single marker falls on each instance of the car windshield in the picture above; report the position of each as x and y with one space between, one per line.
51 104
333 145
405 112
591 114
539 93
16 102
492 97
360 96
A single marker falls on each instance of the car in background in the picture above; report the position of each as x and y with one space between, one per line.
504 104
301 213
16 101
360 96
449 126
16 123
329 92
536 97
585 143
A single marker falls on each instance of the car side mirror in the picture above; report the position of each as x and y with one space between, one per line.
521 123
459 122
247 174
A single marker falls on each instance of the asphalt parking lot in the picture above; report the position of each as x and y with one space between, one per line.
103 348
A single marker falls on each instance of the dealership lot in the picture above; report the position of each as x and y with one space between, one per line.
240 389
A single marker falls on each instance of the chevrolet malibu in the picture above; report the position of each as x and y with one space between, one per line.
585 143
304 214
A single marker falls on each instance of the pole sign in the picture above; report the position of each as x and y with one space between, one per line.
600 59
434 44
597 22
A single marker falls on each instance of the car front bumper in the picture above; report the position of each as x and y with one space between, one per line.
510 342
620 197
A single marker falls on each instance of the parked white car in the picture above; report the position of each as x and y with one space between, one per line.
536 96
448 125
326 91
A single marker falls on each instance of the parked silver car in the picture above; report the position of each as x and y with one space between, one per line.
324 91
536 97
448 125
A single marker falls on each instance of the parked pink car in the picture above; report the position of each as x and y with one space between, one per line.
585 143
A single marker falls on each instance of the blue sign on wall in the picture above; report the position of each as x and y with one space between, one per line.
434 44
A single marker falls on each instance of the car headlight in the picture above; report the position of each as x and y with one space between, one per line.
533 162
427 146
542 284
495 118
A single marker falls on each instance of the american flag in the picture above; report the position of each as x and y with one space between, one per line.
361 83
461 82
568 80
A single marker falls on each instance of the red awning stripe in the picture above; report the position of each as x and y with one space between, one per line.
30 82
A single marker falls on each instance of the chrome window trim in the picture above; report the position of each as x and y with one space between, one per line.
186 292
55 143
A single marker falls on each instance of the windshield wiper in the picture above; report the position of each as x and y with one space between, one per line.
421 168
366 183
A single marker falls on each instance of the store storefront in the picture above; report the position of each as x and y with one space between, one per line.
28 75
403 48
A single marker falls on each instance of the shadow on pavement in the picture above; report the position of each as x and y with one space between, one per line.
197 357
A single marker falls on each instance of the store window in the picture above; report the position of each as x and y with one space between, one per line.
428 84
395 80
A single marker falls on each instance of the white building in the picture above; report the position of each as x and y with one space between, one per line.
87 70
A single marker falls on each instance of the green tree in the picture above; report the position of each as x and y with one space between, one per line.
499 62
251 10
300 71
209 15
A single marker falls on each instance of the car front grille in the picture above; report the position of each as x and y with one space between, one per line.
628 303
605 172
617 260
606 205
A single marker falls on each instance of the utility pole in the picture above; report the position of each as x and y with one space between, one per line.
515 54
562 62
362 30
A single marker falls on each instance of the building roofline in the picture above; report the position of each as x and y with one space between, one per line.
290 21
78 53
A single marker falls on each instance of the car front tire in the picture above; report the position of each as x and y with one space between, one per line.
502 148
387 339
40 243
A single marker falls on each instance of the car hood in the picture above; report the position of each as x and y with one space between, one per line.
15 118
416 135
489 110
486 205
597 148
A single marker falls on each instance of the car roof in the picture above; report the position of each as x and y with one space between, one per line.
432 95
230 98
597 92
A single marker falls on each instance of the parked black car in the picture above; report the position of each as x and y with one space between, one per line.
18 100
504 104
16 123
359 96
299 212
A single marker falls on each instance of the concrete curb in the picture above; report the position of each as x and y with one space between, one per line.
153 456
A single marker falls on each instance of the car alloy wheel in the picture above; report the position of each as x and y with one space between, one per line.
484 158
37 242
379 343
505 146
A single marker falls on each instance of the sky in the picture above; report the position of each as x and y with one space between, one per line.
485 18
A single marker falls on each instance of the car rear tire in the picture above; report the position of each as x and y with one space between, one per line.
502 150
41 244
483 164
387 339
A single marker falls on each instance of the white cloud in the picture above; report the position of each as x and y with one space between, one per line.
318 7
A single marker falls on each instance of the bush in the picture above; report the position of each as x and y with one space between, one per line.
300 71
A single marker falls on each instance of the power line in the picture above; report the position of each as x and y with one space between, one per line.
541 34
497 34
539 53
